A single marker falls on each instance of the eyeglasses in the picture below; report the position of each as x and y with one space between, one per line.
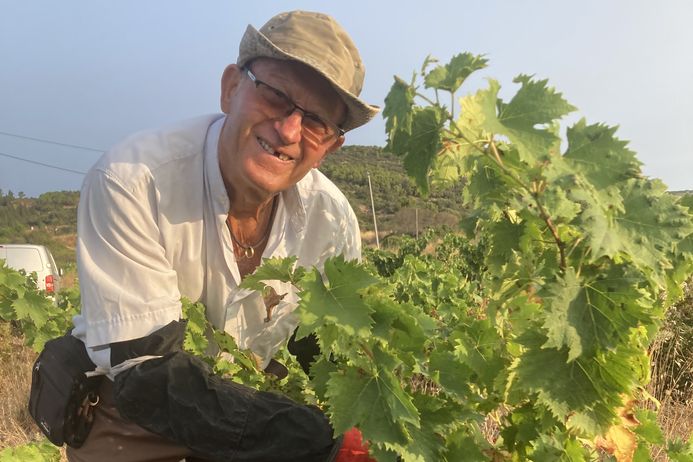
317 127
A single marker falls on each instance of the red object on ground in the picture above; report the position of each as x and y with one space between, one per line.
353 449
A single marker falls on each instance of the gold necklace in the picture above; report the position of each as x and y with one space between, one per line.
248 251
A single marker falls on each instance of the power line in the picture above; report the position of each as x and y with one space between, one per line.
42 164
41 140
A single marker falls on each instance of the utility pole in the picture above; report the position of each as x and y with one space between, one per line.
375 223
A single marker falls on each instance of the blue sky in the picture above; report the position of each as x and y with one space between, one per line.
90 72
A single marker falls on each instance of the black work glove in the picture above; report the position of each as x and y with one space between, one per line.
178 397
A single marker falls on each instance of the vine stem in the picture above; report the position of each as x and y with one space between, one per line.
367 350
452 106
427 99
534 192
496 155
554 232
492 151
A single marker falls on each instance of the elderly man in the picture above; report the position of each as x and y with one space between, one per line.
189 211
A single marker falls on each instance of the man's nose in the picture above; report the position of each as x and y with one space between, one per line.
289 127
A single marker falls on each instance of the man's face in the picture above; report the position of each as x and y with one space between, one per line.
260 151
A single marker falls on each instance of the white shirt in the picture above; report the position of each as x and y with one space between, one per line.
152 228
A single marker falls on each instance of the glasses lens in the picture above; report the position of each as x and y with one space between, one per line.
275 99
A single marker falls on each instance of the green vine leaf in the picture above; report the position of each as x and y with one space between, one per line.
398 111
9 277
603 160
521 120
336 302
584 315
588 391
195 341
535 103
451 76
280 269
423 145
372 400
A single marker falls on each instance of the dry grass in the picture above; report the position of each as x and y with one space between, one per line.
672 372
675 393
16 426
69 279
675 418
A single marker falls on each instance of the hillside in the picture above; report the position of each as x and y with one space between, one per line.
397 202
50 219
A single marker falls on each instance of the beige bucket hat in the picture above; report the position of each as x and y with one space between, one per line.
316 40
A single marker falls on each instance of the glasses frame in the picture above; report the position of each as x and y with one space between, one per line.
336 130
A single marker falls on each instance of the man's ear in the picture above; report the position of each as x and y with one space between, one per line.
333 147
230 80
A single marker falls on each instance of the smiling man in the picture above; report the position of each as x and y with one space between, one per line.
189 211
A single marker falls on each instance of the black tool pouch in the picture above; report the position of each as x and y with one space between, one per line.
62 397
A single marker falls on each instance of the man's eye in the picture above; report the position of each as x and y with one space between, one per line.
278 94
280 98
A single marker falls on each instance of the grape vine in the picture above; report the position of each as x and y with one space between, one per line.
579 256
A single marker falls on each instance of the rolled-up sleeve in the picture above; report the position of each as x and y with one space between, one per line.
129 288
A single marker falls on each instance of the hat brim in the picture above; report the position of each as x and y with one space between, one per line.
255 44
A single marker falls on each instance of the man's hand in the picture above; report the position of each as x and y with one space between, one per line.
353 449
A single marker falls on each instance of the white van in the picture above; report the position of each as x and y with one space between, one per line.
33 258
